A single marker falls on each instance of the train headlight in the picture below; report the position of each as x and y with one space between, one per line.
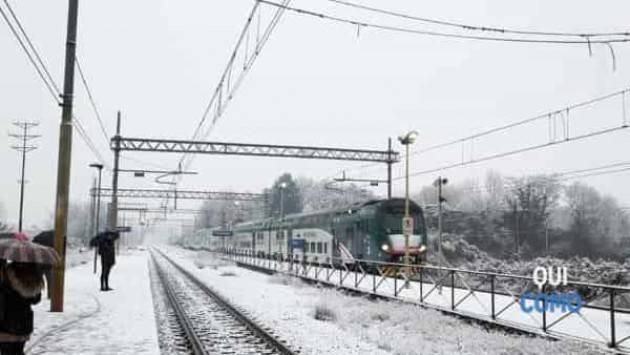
422 248
385 247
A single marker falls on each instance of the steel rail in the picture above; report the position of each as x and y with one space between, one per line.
195 342
243 319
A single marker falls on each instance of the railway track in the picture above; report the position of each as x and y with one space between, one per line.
209 324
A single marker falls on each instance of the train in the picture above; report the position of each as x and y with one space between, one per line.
371 230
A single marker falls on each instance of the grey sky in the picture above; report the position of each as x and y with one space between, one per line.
316 83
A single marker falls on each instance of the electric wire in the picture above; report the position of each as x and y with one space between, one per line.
390 28
36 61
51 87
92 102
463 26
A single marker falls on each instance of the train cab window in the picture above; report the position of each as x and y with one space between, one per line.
319 248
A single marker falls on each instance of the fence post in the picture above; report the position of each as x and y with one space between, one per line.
544 315
396 284
452 289
492 305
613 341
421 295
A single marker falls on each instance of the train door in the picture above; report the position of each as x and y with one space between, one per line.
356 237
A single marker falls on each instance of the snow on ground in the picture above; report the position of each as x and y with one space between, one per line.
95 322
355 325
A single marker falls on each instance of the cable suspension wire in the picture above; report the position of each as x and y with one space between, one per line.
226 88
469 27
584 41
513 152
91 99
563 111
543 116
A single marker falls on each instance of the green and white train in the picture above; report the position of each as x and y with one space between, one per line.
370 231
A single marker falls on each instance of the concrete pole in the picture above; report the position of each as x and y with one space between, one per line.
65 156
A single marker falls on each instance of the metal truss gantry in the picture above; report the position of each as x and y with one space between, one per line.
181 194
265 150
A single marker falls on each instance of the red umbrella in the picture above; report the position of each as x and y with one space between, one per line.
20 236
27 252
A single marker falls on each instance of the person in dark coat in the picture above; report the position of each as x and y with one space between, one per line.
46 238
20 287
104 242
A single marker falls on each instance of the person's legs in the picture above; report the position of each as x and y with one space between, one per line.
106 269
48 274
103 272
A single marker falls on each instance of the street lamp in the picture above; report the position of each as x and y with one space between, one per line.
407 140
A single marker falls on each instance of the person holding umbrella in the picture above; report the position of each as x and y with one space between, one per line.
21 284
104 242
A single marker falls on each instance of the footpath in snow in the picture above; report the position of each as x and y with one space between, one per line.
324 321
121 321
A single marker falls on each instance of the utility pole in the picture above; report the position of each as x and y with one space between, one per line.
64 160
24 138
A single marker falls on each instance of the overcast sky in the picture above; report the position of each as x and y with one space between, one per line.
316 83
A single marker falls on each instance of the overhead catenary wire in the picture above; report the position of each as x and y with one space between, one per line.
408 30
469 27
225 89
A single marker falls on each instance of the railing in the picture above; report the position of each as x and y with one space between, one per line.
487 296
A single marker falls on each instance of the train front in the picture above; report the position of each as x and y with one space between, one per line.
391 241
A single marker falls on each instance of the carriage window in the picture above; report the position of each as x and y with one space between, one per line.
325 248
312 247
319 247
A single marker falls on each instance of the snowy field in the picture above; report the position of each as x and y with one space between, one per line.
323 321
94 322
591 324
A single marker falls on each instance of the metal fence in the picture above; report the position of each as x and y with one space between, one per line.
487 296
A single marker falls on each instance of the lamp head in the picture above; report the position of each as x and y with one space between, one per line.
409 138
96 165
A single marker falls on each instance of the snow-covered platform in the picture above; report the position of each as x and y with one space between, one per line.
121 321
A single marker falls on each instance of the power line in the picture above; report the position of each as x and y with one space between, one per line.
36 60
30 43
360 24
92 102
52 87
468 27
